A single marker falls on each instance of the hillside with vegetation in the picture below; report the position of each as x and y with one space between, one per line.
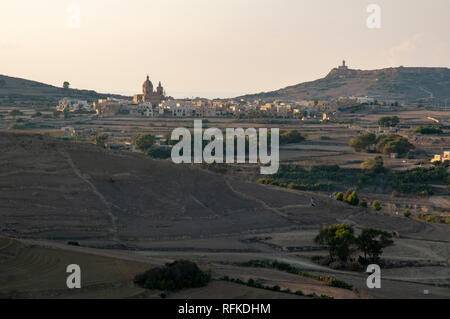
17 91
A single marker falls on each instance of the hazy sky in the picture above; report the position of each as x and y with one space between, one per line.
214 48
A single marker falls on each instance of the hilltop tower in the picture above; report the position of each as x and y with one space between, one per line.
343 66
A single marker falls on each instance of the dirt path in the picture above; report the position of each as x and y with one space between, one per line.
94 190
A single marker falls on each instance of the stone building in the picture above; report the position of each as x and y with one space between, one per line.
149 95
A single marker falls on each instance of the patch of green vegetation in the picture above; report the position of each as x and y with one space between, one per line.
341 243
350 197
255 284
173 276
418 180
101 139
435 219
428 129
290 137
158 152
144 142
376 205
388 121
385 144
25 125
330 281
333 178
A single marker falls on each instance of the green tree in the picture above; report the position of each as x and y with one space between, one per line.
66 85
339 240
373 165
388 144
363 202
376 205
388 121
371 243
340 196
363 142
144 142
407 213
101 139
353 199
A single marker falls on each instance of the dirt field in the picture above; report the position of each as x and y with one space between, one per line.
129 212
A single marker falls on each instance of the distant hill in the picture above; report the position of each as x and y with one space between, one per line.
396 84
26 92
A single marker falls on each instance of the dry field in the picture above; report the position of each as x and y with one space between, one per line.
129 212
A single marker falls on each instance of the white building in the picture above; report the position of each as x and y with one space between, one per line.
73 105
364 99
179 108
147 109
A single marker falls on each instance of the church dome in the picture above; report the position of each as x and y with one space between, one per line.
148 84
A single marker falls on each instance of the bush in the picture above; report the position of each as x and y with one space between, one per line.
363 202
388 121
173 276
428 130
363 142
290 137
101 139
376 205
340 196
159 153
407 213
373 165
144 142
353 199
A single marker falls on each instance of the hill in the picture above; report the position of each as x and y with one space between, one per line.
61 190
17 91
392 84
149 212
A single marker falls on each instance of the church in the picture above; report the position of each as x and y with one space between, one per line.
149 95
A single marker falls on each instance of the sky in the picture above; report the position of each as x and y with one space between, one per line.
214 48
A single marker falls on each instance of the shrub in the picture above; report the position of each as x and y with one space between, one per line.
101 139
363 202
159 153
428 130
353 199
388 121
290 137
407 213
173 276
340 196
144 142
376 205
373 165
363 142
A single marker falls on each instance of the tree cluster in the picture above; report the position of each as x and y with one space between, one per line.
341 242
